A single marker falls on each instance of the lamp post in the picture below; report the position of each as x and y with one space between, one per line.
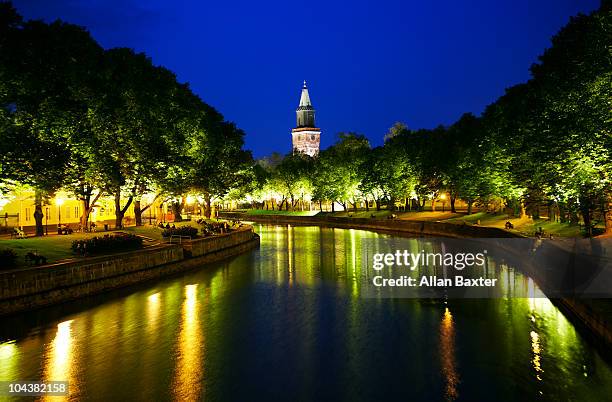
59 202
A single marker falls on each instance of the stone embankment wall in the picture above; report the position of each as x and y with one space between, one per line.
421 228
28 288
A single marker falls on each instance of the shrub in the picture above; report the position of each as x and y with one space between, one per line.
8 258
212 228
107 244
189 231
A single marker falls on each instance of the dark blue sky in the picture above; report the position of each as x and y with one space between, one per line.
368 64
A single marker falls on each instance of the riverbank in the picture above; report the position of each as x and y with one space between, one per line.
419 228
33 287
594 317
525 226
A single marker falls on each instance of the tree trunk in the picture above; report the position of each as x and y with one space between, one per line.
137 213
38 213
177 207
367 204
562 212
391 204
608 213
120 212
377 204
333 206
88 204
453 198
118 217
139 210
469 208
320 205
207 206
585 210
588 229
551 215
407 204
433 205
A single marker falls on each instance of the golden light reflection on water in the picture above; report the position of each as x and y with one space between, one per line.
535 348
60 361
153 306
8 361
187 384
290 256
447 355
354 274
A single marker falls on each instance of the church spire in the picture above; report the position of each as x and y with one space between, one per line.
305 137
305 98
305 112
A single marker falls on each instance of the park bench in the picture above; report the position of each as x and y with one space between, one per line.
64 230
18 234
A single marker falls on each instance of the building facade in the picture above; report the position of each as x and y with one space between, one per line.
305 137
17 211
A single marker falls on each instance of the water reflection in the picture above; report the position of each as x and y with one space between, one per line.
189 371
288 321
535 347
8 360
60 363
153 307
447 355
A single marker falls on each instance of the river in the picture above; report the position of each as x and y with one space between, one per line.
287 322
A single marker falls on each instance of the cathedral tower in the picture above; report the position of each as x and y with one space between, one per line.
305 136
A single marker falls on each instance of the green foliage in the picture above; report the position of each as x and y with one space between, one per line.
95 121
8 258
189 231
340 169
110 243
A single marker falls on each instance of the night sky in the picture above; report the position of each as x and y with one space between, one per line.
368 64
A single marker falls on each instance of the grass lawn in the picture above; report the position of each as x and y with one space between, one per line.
525 226
556 228
358 214
485 218
428 215
155 233
54 247
277 212
57 247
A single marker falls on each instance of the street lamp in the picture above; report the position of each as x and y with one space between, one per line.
59 202
189 201
443 198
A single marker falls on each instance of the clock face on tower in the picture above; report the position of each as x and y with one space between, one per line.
306 136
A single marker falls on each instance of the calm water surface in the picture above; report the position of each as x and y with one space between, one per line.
287 322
